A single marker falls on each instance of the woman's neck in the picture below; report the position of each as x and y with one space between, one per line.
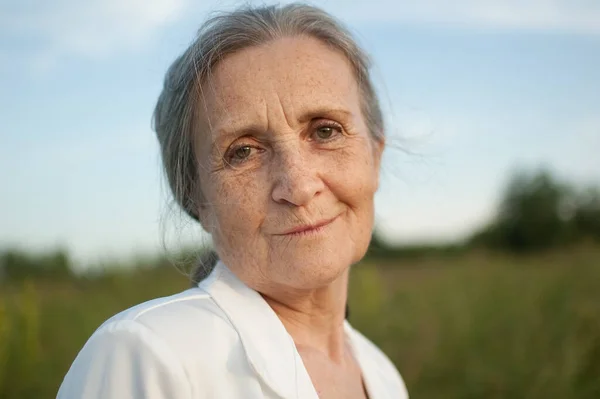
314 318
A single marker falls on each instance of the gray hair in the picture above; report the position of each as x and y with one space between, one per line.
223 35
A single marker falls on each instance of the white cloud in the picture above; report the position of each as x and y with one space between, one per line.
91 28
100 28
543 15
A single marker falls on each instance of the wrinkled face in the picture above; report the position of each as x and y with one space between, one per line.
288 168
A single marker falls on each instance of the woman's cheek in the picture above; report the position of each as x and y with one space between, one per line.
240 197
355 176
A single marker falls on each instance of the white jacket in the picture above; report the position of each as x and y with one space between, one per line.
218 340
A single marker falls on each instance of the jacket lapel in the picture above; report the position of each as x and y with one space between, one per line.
270 349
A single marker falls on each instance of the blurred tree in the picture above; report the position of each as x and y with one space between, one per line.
586 216
538 211
18 265
529 215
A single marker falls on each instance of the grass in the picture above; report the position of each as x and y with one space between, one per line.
471 325
487 327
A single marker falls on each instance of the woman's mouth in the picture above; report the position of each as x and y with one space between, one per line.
309 229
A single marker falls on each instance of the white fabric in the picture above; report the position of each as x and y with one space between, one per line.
218 340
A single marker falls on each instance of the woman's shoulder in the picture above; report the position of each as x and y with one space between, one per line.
184 322
162 345
167 313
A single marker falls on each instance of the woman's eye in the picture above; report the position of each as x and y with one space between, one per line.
239 154
242 152
325 133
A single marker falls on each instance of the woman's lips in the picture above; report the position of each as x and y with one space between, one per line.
309 228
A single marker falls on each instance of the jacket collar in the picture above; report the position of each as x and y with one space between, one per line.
270 349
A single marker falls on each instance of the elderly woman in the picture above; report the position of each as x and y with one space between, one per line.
271 137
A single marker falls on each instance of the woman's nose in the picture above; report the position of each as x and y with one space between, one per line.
296 178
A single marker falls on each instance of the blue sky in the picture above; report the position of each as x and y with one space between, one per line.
471 90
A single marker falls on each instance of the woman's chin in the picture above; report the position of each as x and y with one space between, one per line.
312 273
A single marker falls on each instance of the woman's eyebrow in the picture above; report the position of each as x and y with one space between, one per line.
324 112
231 132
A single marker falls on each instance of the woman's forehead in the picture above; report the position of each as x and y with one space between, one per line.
300 74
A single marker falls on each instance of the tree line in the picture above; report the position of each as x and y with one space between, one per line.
536 211
539 211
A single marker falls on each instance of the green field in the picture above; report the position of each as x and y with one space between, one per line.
472 325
